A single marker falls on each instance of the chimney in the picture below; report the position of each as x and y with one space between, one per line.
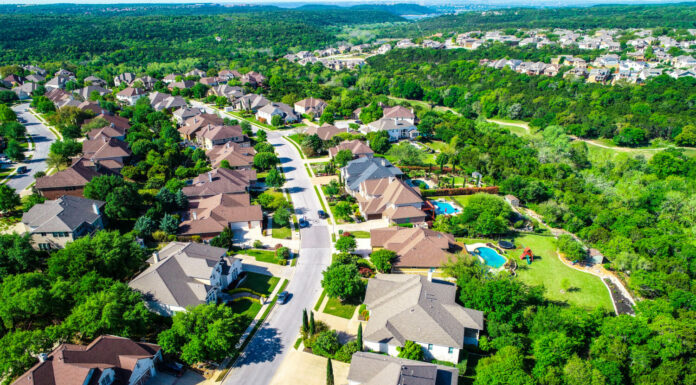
195 215
210 176
95 208
155 256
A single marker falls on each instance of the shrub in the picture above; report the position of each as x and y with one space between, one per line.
346 351
326 344
258 244
159 236
282 252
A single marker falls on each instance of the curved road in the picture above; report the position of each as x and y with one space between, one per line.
267 349
43 138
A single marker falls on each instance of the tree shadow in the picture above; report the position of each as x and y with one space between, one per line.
264 347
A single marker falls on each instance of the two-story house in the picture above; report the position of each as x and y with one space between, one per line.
390 199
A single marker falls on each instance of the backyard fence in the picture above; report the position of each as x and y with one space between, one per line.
459 191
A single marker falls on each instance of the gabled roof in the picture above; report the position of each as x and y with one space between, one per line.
236 154
409 307
378 369
220 181
66 213
310 103
103 147
398 112
363 169
107 132
386 124
220 132
415 247
179 273
130 92
82 365
215 213
116 121
356 147
77 175
325 131
194 124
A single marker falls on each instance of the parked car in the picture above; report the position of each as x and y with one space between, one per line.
283 297
322 214
173 367
303 222
22 170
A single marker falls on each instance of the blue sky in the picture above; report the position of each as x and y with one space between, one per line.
423 2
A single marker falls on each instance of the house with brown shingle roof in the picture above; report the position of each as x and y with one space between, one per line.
210 136
107 152
415 248
71 181
357 147
255 79
399 113
391 199
209 216
130 95
377 369
196 123
310 106
220 181
118 122
406 307
239 156
108 132
108 360
325 131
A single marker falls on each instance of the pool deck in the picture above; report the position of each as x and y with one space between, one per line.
472 247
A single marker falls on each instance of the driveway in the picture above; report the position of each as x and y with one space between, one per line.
43 138
269 346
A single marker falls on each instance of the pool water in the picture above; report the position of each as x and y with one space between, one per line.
490 256
444 208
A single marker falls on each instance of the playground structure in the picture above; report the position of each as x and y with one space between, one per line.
528 255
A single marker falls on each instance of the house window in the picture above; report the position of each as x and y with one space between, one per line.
44 246
430 346
450 350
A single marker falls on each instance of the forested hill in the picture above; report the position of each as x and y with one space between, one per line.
119 37
681 15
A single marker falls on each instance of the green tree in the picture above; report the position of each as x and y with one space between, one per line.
16 254
572 249
346 244
169 223
63 150
18 351
275 178
203 333
99 187
343 209
261 135
14 151
379 141
342 281
265 160
281 217
360 337
225 239
504 367
312 145
333 188
343 157
6 114
26 300
326 344
312 325
9 199
123 202
687 136
382 259
329 373
411 351
407 154
305 321
327 116
145 226
276 121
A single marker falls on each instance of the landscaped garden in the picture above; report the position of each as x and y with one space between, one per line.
335 306
260 283
268 256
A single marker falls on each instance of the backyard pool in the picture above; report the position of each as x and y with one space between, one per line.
491 257
444 207
418 183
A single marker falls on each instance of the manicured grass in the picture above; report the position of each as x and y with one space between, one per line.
246 307
321 201
320 300
295 144
308 172
461 200
360 234
262 255
335 307
260 283
587 291
281 232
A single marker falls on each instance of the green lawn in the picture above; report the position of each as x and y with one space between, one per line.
587 291
281 232
262 255
260 283
245 307
319 301
360 234
461 200
335 307
296 145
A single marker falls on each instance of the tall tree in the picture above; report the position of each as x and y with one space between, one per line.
329 373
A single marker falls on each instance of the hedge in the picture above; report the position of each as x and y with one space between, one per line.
459 191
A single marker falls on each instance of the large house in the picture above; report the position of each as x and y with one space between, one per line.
238 156
250 102
230 92
325 131
311 106
115 121
416 248
161 101
126 78
184 274
209 216
107 152
396 128
378 369
252 78
357 147
218 135
220 181
286 113
391 199
184 113
366 168
54 223
130 95
407 307
108 360
71 181
193 125
399 113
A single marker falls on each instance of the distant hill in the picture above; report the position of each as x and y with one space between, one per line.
398 9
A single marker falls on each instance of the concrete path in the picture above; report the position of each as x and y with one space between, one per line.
42 138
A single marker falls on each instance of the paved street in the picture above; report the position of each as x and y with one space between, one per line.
43 137
270 344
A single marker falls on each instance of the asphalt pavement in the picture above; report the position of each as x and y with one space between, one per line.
43 138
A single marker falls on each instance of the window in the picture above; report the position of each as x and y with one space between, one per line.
450 350
44 246
430 346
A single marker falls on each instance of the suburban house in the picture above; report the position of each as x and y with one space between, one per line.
25 90
378 369
171 78
406 307
63 72
125 78
147 81
239 156
210 136
105 361
109 131
250 102
182 85
209 216
185 274
94 81
220 181
230 92
184 113
194 124
399 113
71 181
311 106
417 249
130 95
57 82
195 72
117 122
357 147
86 92
107 152
229 74
54 223
35 78
390 198
209 81
367 168
161 101
255 79
286 113
396 128
325 131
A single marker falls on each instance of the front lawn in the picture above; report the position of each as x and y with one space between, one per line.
245 307
281 233
260 283
262 255
334 306
360 234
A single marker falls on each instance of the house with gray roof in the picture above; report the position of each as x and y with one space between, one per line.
53 224
185 274
413 308
359 170
378 369
396 128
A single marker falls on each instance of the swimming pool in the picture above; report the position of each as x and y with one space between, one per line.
442 207
491 257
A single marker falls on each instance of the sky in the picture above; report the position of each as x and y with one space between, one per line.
423 2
